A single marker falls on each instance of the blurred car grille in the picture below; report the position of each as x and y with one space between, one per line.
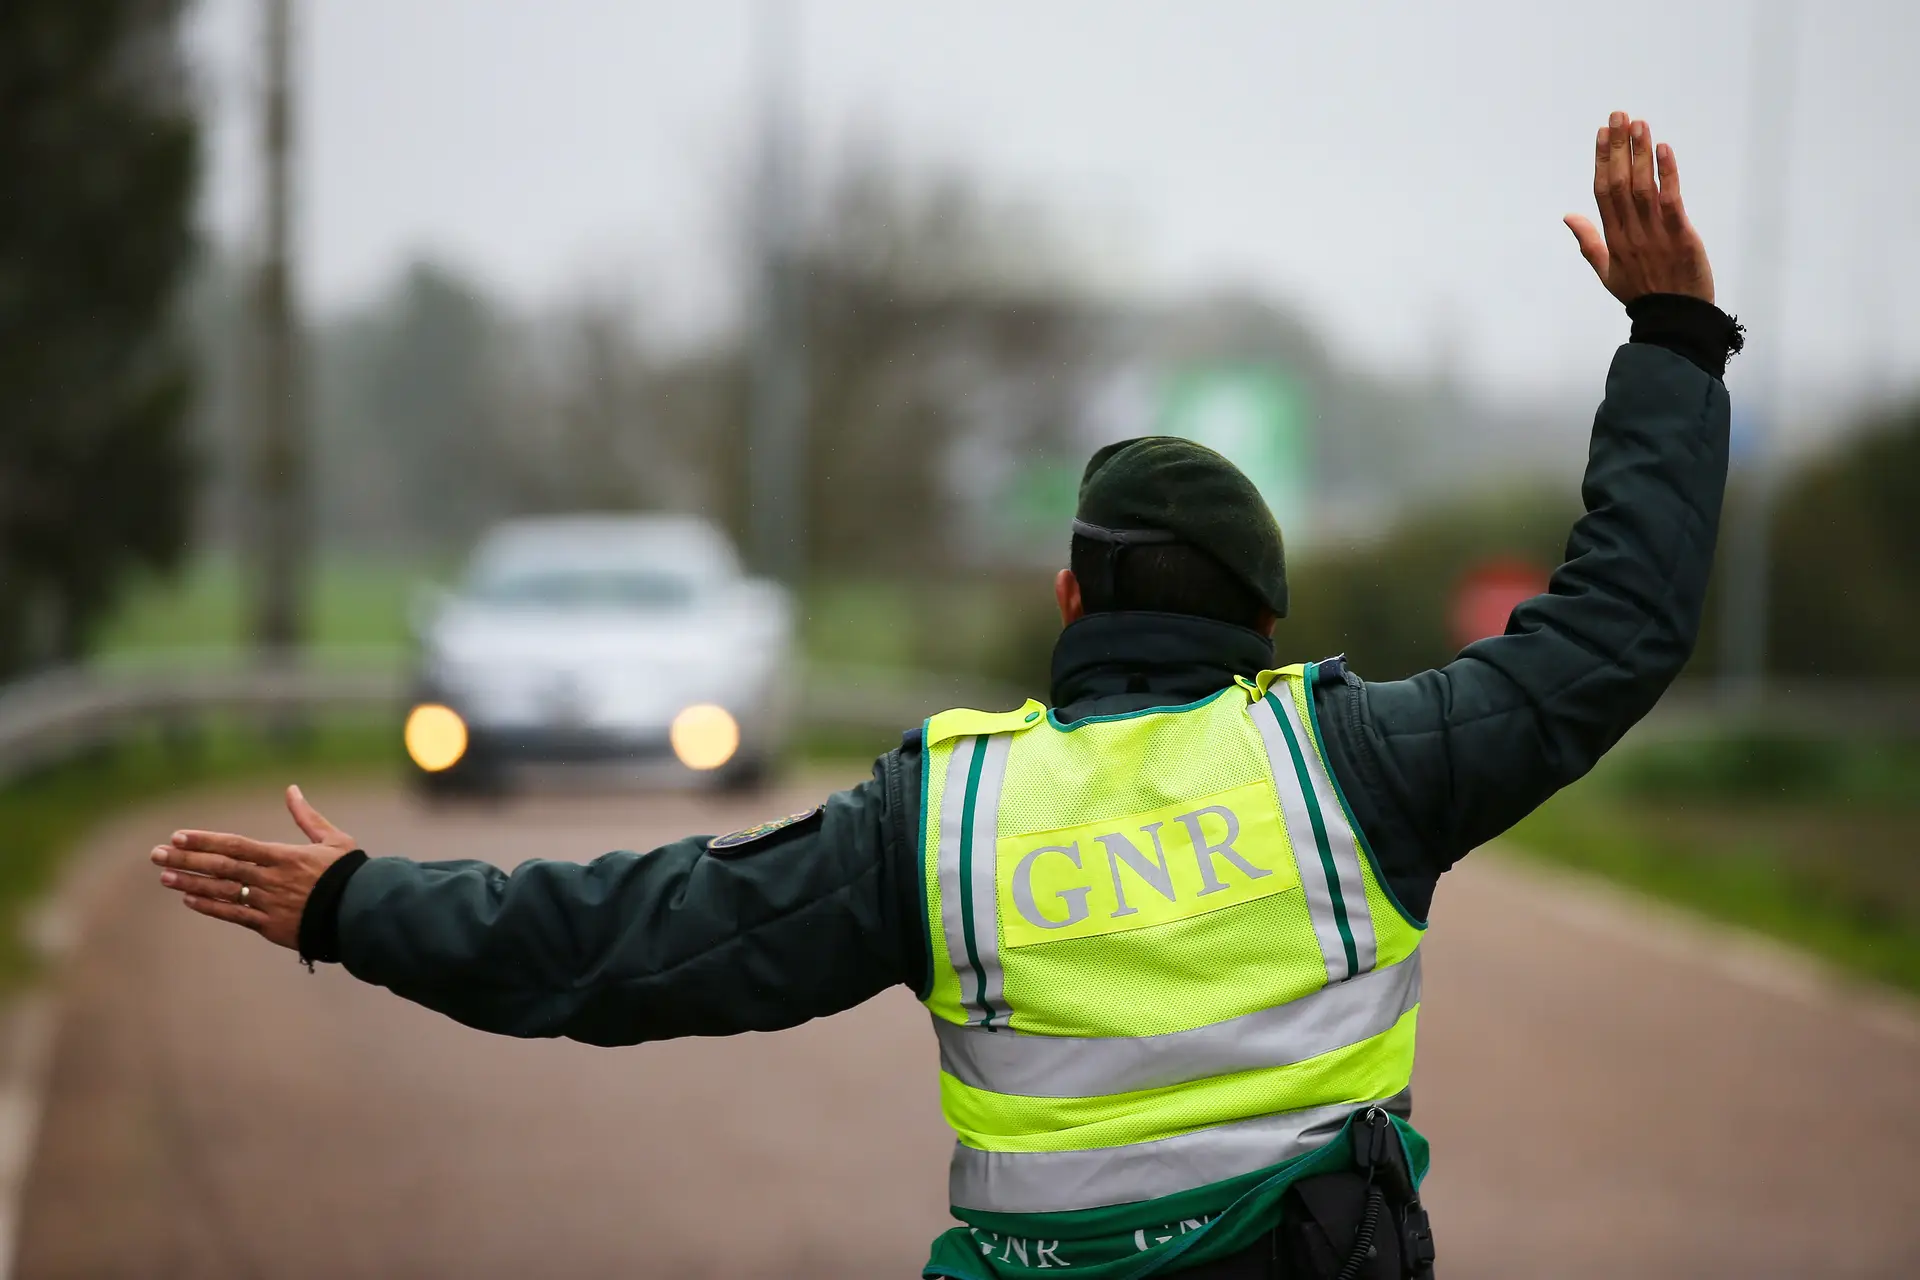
636 699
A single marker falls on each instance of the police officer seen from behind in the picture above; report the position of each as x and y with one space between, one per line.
1169 926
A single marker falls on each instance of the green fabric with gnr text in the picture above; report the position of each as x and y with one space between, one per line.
1122 1242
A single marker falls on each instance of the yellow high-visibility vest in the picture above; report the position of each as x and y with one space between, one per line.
1161 953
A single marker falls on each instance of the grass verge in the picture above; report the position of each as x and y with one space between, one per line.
356 601
1817 844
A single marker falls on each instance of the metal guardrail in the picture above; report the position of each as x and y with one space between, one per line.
56 714
59 713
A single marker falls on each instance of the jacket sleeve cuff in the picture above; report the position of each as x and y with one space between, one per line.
1689 327
320 918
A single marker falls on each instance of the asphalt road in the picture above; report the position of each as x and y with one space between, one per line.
1607 1097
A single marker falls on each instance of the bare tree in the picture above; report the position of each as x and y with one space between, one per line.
594 433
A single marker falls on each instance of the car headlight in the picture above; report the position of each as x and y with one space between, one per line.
704 736
436 737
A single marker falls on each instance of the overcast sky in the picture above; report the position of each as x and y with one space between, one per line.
1398 170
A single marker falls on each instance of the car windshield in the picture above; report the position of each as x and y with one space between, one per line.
559 587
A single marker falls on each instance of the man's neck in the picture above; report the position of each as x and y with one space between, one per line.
1115 662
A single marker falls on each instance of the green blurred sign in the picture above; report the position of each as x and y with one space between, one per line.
1040 497
1257 417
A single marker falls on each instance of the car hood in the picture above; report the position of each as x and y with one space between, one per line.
489 634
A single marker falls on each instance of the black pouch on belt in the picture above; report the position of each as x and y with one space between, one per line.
1363 1224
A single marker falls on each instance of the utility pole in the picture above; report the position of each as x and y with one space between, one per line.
776 441
1743 622
278 531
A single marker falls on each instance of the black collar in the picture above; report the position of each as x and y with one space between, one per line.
1114 662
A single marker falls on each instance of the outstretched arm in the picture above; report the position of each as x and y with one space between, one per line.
808 920
1452 757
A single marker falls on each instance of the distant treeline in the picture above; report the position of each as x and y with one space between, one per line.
1846 541
952 349
1845 597
1845 584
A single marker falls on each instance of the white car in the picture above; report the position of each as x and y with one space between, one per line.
612 640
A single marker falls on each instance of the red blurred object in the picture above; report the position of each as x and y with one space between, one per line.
1487 593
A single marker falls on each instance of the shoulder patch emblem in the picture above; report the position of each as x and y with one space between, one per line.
735 840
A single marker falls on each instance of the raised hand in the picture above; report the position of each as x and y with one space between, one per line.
255 883
1648 245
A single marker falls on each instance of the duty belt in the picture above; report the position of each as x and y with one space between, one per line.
1366 1224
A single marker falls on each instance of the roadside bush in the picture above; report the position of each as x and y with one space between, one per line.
1846 566
1772 766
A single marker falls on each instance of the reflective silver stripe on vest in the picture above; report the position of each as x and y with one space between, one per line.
952 797
992 1006
1346 845
1300 806
981 988
1062 1181
1064 1067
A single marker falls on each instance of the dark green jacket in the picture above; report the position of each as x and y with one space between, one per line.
826 912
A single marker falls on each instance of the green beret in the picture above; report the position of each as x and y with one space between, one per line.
1165 489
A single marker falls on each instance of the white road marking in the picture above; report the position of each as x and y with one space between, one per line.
29 1023
26 1030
